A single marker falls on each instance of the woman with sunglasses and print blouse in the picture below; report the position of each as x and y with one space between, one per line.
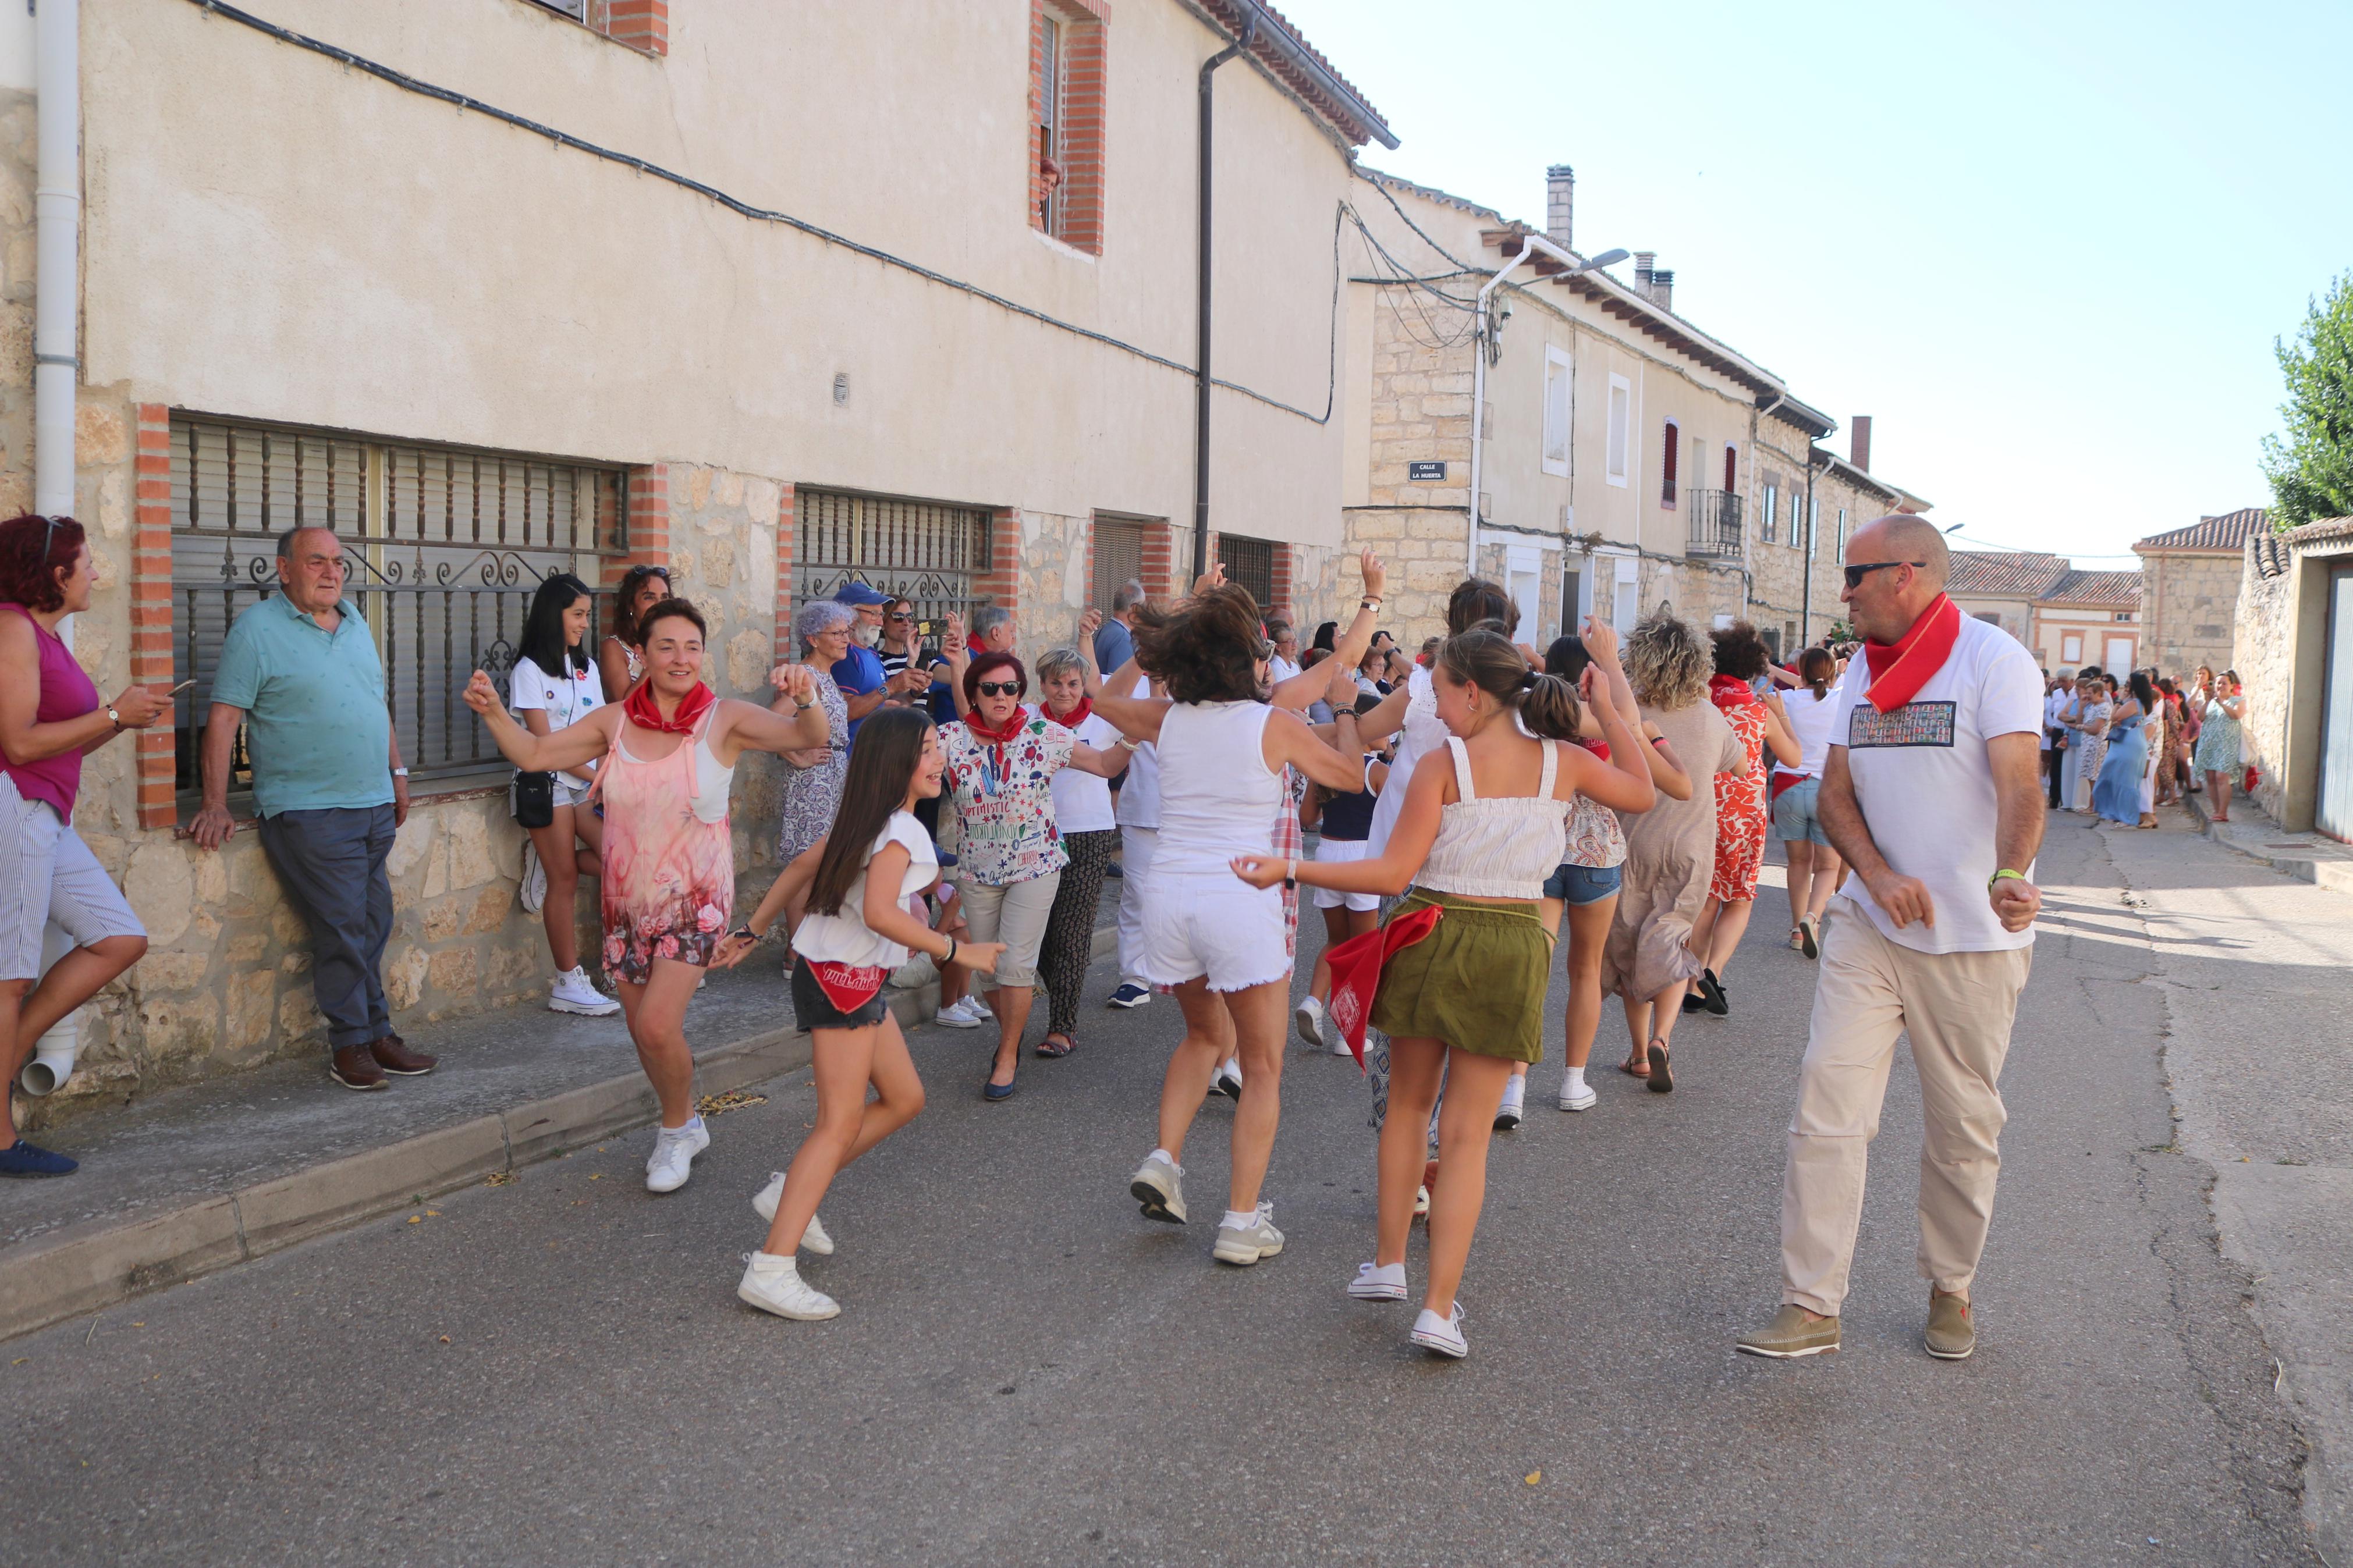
1001 762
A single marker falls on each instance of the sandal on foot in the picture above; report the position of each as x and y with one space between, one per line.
1047 1047
1661 1077
1636 1065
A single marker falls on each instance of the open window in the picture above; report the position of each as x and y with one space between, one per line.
1067 121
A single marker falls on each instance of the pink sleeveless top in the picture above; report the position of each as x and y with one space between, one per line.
65 693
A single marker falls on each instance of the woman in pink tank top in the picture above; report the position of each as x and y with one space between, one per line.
50 716
669 878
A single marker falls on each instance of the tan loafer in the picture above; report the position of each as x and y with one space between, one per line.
1791 1334
1951 1335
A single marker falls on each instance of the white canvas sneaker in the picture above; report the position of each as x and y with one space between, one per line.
1579 1096
673 1157
774 1285
966 1014
1310 1017
1379 1282
1515 1100
574 992
1247 1247
1228 1079
1443 1335
813 1238
534 878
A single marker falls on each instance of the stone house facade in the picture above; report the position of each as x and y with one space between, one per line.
2190 589
2293 651
883 360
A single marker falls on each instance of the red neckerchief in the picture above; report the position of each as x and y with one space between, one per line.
1899 670
1073 719
1729 693
1004 737
640 709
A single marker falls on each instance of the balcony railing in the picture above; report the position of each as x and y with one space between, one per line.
1714 523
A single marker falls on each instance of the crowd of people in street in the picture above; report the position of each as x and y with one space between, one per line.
940 815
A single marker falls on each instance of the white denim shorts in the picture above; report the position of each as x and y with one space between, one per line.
1213 925
47 873
1340 852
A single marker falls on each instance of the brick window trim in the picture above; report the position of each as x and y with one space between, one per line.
639 25
1082 122
150 589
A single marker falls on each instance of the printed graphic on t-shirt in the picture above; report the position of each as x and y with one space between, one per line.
1914 724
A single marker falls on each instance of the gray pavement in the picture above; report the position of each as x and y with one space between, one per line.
556 1369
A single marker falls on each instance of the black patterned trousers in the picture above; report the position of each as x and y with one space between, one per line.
1070 928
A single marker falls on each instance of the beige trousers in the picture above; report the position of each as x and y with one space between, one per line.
1957 1008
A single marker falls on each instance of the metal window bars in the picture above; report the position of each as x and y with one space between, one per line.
443 546
931 553
1714 524
1251 562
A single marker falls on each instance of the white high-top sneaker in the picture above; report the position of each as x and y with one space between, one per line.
774 1285
574 992
765 1202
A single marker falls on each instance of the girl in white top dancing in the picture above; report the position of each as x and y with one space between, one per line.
1483 826
1221 945
856 880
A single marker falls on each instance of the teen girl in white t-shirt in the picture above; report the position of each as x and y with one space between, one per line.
857 930
555 685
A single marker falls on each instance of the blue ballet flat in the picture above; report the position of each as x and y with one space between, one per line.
996 1091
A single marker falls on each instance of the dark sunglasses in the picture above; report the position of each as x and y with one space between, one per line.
1856 575
899 616
1000 688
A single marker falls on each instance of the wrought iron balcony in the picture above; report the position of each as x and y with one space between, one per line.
1714 523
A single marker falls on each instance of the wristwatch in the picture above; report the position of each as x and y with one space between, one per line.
110 713
400 772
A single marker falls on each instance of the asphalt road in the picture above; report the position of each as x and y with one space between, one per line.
556 1370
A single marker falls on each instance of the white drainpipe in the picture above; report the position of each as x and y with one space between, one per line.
1530 245
57 210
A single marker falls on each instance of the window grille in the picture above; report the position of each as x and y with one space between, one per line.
1119 559
444 547
1251 562
931 553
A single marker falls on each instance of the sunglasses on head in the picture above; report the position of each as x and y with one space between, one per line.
1856 575
1000 688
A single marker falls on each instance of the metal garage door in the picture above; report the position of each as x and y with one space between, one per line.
2333 804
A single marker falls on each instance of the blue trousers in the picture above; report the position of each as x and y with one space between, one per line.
331 864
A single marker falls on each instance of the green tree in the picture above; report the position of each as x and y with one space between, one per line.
2311 469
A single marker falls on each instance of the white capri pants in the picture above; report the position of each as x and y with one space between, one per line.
47 873
1136 847
1015 915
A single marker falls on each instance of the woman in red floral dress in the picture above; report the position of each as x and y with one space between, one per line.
1743 811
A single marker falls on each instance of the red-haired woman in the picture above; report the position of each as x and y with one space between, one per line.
1001 762
50 716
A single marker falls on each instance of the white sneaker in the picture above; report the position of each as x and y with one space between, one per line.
1309 1016
774 1285
1340 1045
673 1157
1443 1335
966 1014
534 878
1515 1100
813 1236
1577 1095
1228 1079
1379 1282
574 992
1247 1247
1159 1186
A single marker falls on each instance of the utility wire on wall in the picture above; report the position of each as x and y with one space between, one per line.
408 83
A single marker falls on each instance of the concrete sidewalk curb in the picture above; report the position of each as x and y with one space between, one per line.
89 1267
2325 871
85 1268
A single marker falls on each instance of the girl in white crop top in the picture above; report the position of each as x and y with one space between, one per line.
856 881
1481 827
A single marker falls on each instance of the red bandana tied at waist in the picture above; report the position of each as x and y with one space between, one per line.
1729 693
1899 670
640 709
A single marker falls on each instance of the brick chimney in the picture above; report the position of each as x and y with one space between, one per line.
1662 287
1560 204
1859 441
1643 264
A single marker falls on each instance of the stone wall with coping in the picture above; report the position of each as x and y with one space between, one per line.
2263 653
2189 606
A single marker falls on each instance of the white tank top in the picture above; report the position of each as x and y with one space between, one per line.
1218 796
1421 734
1502 847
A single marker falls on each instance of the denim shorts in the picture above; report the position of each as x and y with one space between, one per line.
813 1009
1795 816
1578 886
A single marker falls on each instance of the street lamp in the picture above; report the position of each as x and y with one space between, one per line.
1606 258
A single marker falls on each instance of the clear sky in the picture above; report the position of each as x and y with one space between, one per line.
2046 246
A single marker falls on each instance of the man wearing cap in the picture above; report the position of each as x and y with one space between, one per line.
859 673
1930 793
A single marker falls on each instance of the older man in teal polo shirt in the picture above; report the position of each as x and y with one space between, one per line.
299 669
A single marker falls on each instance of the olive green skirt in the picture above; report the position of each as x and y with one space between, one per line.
1477 982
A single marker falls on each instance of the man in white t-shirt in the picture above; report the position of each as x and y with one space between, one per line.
1931 792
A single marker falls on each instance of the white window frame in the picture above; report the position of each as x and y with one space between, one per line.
1813 527
1768 514
1841 535
1625 592
1618 466
1559 368
2070 649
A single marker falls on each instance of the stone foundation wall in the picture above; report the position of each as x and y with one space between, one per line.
2190 606
2263 653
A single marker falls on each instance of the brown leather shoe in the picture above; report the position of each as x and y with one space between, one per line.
393 1055
354 1068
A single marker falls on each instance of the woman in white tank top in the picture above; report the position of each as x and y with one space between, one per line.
1220 944
669 868
1482 826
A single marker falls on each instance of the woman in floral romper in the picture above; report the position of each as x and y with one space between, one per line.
669 752
1743 811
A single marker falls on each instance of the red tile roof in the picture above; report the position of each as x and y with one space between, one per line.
2107 589
2005 573
2226 533
1347 109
